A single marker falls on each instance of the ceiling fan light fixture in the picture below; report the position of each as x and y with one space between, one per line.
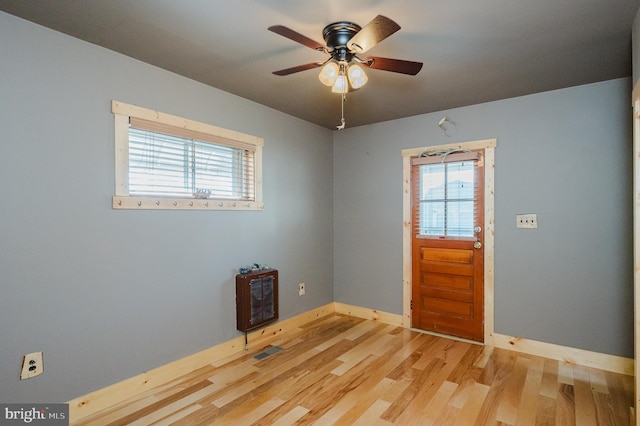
341 84
357 77
329 74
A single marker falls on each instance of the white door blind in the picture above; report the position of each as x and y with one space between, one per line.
172 166
445 194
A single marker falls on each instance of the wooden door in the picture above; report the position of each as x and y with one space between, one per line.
447 244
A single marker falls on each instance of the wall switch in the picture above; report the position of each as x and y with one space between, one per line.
301 289
529 220
32 365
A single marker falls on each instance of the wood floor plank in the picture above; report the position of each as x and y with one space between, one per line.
498 367
487 352
584 403
508 411
291 417
387 375
202 416
405 368
473 404
255 415
603 407
361 329
353 406
467 365
357 354
546 411
597 380
160 412
549 387
373 413
565 373
565 408
435 409
224 377
496 374
176 416
621 398
528 405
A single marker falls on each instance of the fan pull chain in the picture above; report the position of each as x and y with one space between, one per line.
342 122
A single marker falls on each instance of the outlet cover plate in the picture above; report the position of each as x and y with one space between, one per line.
32 365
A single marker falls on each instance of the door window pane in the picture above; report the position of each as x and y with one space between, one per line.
447 199
432 218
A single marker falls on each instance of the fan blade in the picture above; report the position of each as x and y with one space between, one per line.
299 68
373 33
297 37
393 65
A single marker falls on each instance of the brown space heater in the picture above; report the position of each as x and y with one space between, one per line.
256 298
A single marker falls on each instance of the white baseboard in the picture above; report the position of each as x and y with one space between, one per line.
613 363
370 314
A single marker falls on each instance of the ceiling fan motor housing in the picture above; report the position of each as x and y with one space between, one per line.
337 35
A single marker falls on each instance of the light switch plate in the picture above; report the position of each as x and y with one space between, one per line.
529 220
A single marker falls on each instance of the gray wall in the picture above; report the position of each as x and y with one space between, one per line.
565 155
635 48
108 294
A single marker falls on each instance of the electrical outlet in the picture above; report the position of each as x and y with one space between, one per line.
527 220
32 365
301 290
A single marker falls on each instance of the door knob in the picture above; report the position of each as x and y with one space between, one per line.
477 245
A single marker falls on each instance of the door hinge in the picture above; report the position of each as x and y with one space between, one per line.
411 305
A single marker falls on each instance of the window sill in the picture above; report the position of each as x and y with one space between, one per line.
149 203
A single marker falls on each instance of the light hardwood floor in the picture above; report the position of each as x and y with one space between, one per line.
348 371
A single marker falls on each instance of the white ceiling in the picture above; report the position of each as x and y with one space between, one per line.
473 50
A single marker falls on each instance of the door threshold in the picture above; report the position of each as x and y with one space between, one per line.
446 336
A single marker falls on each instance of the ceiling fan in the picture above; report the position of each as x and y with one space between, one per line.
344 41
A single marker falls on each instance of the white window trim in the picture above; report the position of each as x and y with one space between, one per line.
122 200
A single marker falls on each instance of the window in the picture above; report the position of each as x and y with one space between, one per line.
167 162
445 196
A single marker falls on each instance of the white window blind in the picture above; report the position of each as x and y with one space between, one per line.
444 196
172 166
